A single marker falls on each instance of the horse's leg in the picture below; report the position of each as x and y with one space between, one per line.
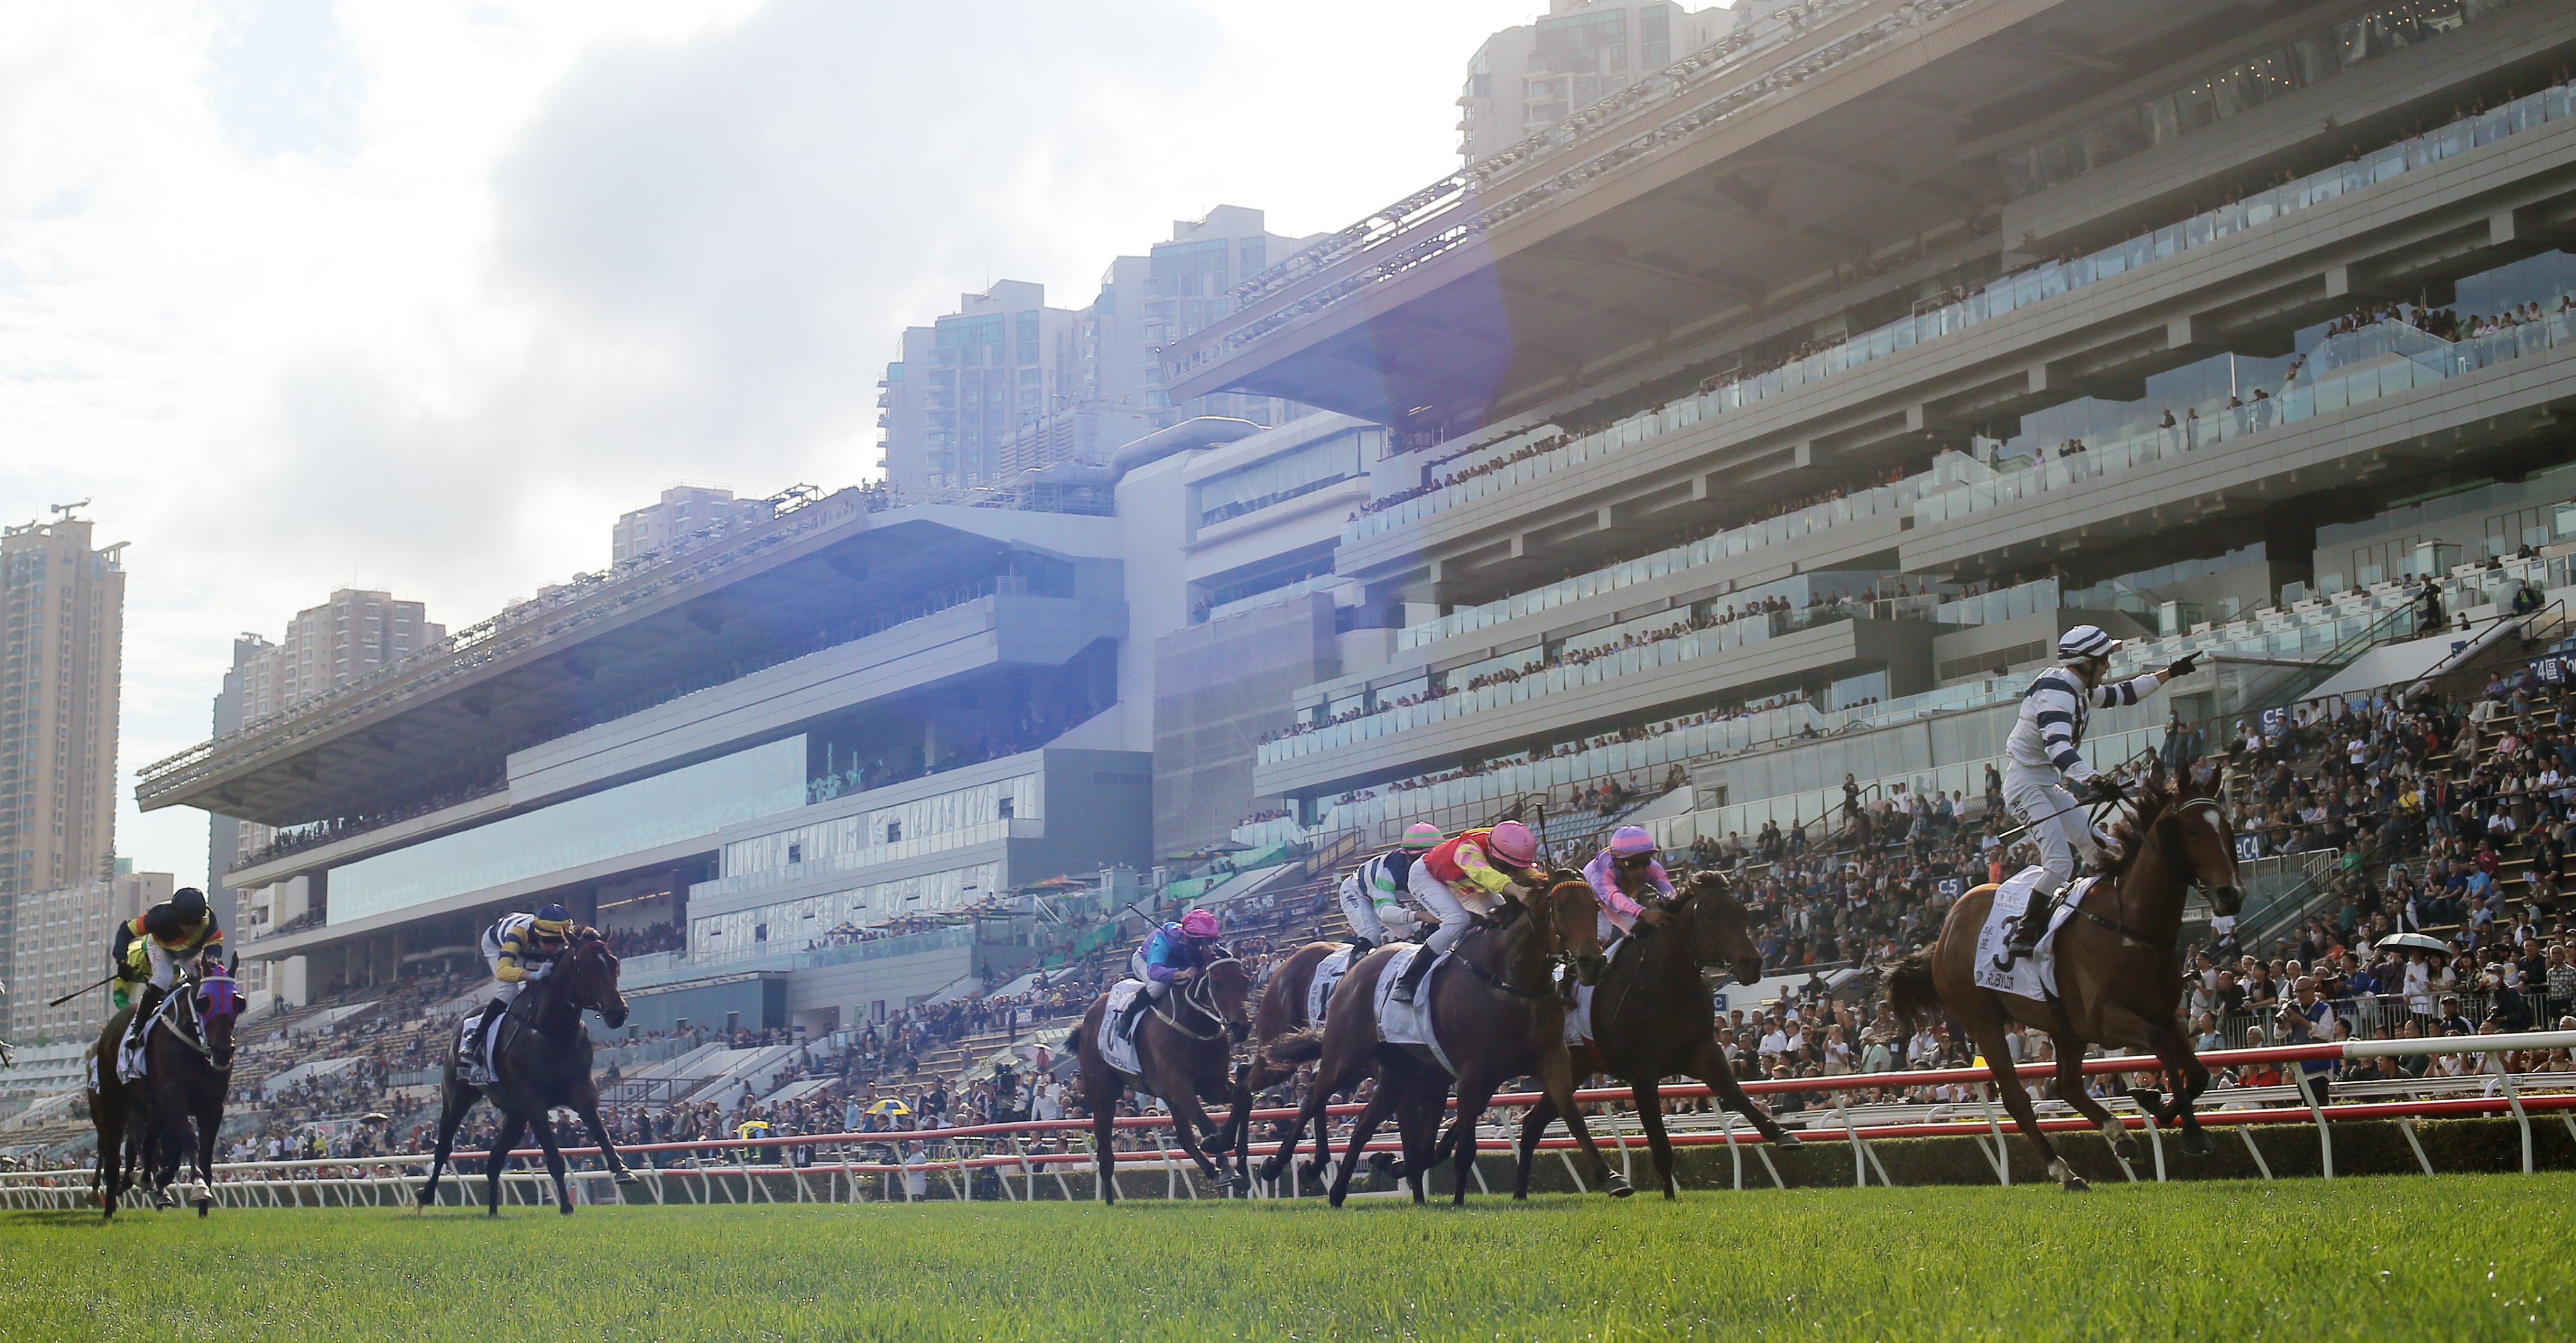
210 1122
505 1138
1988 1030
455 1099
2070 1089
1649 1097
589 1111
1188 1119
1103 1102
1474 1094
1381 1102
545 1131
107 1117
1533 1125
1556 1077
1709 1065
2123 1026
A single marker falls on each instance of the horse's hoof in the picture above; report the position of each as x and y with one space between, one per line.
2075 1184
1788 1139
564 1208
203 1207
1618 1187
2196 1143
2127 1148
625 1176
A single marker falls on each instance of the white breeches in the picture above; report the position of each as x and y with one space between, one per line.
1154 988
165 967
1445 905
1359 905
2058 824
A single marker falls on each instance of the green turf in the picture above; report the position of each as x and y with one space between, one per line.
2453 1257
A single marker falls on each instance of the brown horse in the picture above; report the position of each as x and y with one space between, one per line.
144 1126
540 1063
1184 1052
1499 1013
2118 980
1653 1018
1277 1012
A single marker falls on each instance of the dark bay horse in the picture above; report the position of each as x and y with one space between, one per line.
1653 1018
540 1062
1499 1013
2119 980
1185 1053
1279 1010
144 1126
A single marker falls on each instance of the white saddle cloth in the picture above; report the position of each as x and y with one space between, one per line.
1409 1023
477 1074
2035 975
1117 1050
1319 989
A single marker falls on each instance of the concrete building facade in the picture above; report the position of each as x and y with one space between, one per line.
682 509
62 641
61 942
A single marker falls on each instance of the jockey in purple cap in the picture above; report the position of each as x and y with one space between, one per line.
1623 877
1172 954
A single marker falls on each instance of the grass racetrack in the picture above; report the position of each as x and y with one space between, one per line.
2448 1257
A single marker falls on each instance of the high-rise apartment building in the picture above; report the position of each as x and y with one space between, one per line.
62 640
60 942
352 634
683 509
1007 385
1527 78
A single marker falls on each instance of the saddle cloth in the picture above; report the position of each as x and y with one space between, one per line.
1116 1050
1578 1017
477 1074
2035 975
1409 1023
1319 988
130 1050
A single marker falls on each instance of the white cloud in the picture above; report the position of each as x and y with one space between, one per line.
422 296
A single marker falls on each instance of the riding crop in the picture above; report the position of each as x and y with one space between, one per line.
81 990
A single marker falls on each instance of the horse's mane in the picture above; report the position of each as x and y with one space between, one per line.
2148 804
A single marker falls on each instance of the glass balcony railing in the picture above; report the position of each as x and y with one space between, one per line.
1998 299
2435 361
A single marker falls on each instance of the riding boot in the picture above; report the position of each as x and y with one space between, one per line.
472 1061
143 1010
2026 932
1361 946
1414 970
1126 1027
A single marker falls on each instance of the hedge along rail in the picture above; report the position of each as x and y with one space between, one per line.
393 1180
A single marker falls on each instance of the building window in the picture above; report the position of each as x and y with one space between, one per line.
1009 806
795 853
894 832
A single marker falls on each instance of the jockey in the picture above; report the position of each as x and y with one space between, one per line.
1623 873
1372 893
150 948
1477 866
1171 955
2041 759
520 948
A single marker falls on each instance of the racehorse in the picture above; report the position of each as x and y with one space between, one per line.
143 1125
540 1062
1184 1051
2118 980
1653 1018
1280 1010
1499 1013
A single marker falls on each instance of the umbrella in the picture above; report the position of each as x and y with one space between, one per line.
2414 942
374 1117
889 1106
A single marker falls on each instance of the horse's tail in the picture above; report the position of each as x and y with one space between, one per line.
1911 993
1295 1048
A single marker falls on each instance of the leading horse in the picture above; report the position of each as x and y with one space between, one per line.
540 1062
2119 978
1184 1052
144 1126
1653 1018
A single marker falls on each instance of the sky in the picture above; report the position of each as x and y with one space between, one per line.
421 296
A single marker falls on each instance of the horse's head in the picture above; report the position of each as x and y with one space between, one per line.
1715 927
589 977
1567 924
2200 844
217 1000
1229 991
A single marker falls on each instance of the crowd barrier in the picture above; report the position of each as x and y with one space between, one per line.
897 1165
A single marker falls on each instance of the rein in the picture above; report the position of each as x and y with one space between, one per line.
2176 859
1195 996
189 1035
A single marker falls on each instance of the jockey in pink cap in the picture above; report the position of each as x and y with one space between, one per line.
1462 878
1625 875
1172 954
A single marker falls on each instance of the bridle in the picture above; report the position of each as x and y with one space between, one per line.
2175 857
1199 995
187 1021
532 1009
1558 960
